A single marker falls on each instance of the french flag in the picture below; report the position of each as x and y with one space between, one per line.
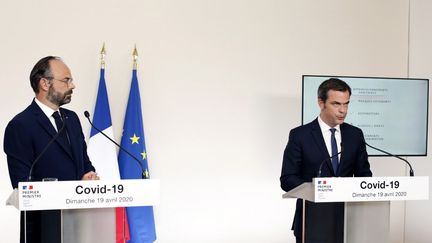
103 154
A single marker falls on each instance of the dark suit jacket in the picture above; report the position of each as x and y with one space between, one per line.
306 150
26 136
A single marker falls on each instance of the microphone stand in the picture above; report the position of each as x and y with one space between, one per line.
411 172
29 178
327 159
143 174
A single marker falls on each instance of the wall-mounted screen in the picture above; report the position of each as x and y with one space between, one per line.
392 112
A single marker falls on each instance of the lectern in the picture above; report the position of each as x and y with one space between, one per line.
68 196
362 202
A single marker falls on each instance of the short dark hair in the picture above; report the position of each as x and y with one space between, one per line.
40 70
332 84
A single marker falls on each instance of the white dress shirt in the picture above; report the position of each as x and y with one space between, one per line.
325 130
48 112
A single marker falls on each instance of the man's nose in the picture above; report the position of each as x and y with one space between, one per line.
343 109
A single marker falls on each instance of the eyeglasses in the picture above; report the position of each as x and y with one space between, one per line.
65 80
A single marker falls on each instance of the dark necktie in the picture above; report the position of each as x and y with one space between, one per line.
60 124
335 158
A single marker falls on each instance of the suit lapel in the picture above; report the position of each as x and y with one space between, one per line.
319 140
46 125
344 137
71 134
74 132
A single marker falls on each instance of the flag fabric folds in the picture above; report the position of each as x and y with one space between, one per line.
140 219
102 152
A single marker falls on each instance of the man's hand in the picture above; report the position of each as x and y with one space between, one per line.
90 176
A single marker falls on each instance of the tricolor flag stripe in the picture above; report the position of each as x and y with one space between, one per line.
103 154
102 113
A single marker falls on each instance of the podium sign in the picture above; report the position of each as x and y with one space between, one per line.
87 194
366 212
362 189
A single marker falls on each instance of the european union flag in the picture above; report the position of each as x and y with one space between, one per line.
141 219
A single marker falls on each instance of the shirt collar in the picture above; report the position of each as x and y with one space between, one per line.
45 109
326 128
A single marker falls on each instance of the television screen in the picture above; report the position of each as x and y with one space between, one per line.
392 112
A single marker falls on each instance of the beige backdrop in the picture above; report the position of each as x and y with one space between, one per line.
221 88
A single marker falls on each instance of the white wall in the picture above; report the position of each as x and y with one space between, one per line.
221 88
418 220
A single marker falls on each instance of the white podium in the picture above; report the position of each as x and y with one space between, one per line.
83 200
366 202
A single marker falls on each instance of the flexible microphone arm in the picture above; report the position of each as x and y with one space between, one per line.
327 159
411 172
143 174
29 178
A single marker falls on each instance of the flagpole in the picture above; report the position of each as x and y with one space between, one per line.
135 57
145 173
102 53
140 219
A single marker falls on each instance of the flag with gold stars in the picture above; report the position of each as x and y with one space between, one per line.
140 219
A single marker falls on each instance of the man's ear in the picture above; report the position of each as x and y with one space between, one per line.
321 103
44 84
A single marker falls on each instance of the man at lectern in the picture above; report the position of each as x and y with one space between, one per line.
45 141
327 142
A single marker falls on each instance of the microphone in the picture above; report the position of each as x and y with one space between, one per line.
29 178
411 172
143 174
327 159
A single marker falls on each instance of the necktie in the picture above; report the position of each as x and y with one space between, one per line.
59 124
335 159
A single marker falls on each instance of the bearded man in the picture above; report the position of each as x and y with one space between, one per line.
29 154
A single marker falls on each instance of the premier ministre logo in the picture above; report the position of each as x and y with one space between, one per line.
29 187
324 186
322 182
28 191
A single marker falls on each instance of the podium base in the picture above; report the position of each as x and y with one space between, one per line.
41 226
324 222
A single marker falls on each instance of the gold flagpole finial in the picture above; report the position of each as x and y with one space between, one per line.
135 57
103 52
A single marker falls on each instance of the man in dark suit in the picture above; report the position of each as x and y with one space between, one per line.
314 143
29 132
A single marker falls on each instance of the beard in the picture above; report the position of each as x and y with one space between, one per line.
58 98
